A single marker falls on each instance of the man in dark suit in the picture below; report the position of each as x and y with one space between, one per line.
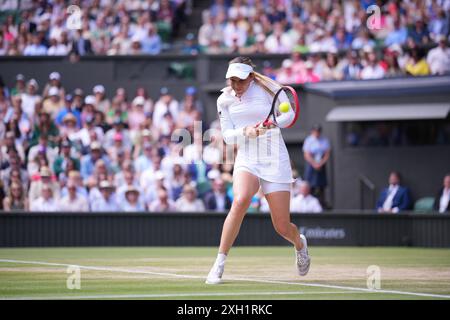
442 199
217 199
394 198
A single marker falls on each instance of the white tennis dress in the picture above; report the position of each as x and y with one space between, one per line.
265 156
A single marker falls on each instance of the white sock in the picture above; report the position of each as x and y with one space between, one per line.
221 258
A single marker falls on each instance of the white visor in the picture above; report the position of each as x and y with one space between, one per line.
239 70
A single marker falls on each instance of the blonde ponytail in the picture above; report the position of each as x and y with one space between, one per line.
269 85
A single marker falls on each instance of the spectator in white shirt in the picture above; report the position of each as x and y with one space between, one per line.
166 103
30 98
46 202
372 70
305 202
188 202
73 201
439 58
107 202
131 202
442 199
279 41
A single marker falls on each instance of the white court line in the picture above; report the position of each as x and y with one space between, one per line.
178 295
174 275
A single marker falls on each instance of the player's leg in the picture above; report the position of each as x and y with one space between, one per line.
245 185
279 204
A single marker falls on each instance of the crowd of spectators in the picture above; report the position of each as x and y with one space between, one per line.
81 151
328 40
106 27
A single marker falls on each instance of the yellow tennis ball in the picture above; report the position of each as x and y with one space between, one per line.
284 107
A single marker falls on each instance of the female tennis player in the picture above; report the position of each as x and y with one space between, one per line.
262 159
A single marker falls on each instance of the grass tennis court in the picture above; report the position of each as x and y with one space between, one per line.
251 273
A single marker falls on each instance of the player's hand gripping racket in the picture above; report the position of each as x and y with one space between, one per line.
284 111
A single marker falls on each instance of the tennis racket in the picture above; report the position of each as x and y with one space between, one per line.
285 109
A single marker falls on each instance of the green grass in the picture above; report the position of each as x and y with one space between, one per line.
250 273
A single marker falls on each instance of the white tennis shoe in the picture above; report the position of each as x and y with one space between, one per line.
215 275
302 259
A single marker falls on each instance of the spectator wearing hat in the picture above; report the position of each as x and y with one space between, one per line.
217 199
64 156
316 152
70 107
286 74
190 46
73 201
137 115
53 104
395 197
20 86
304 201
166 103
129 180
188 202
54 80
107 201
68 128
439 58
45 202
30 98
88 109
15 199
102 103
89 160
162 203
442 199
45 178
131 201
